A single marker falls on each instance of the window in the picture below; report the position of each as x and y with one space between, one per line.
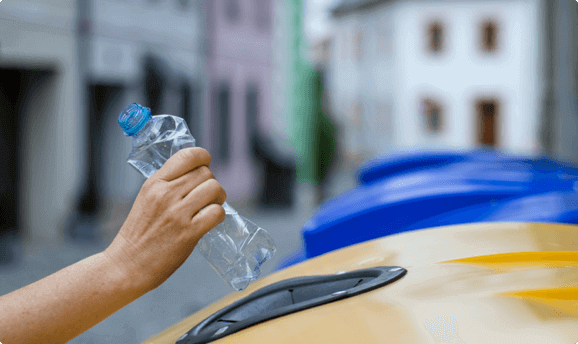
487 111
432 112
489 36
232 10
191 110
252 103
436 38
155 83
263 14
223 99
186 102
184 4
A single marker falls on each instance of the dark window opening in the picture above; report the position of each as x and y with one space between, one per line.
436 37
263 14
18 88
184 4
252 99
232 10
433 116
11 102
186 102
223 114
487 122
155 83
489 36
191 110
101 97
186 107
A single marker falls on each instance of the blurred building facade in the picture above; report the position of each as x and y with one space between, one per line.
150 52
39 101
67 69
559 109
238 90
426 74
294 84
281 56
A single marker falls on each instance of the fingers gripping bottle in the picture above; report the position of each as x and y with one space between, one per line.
236 247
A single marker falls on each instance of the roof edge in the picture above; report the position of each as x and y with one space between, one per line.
343 7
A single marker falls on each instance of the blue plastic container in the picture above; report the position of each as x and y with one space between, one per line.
397 164
551 207
458 189
381 209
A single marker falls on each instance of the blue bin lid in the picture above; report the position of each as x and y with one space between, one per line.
556 206
396 163
400 163
397 203
551 207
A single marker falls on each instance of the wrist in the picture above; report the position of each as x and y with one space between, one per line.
124 271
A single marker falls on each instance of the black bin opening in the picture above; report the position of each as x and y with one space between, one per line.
289 296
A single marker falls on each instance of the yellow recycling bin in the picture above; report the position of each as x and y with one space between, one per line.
478 283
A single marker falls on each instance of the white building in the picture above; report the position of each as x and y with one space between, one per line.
426 74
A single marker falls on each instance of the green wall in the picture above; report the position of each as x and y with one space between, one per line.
301 98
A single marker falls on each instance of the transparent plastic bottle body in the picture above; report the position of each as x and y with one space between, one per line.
235 248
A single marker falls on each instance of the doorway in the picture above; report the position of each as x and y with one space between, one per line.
17 88
487 118
85 225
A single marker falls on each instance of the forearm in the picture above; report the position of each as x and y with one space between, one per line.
66 303
173 210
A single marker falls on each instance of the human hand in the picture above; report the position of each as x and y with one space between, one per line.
175 207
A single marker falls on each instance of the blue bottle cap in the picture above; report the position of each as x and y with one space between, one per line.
133 118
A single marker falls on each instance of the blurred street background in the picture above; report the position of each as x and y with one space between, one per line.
290 97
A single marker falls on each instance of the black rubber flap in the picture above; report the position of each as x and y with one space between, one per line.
289 296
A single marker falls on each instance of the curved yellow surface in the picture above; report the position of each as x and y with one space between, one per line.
480 283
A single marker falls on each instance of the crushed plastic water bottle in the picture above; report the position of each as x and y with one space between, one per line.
235 248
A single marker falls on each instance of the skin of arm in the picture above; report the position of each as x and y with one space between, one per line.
173 210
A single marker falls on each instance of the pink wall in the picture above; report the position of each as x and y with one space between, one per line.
239 55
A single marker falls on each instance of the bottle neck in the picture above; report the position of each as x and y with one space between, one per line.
146 134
